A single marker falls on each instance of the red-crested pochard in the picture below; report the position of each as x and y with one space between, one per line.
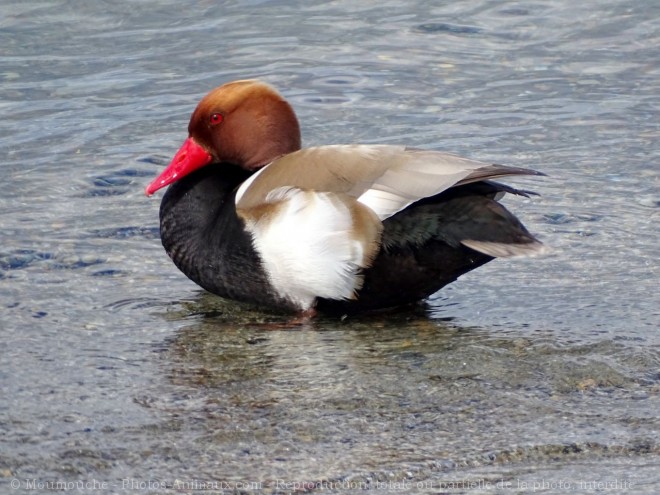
342 228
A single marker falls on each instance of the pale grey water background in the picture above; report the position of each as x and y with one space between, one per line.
527 375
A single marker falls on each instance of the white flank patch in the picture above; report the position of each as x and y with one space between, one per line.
306 246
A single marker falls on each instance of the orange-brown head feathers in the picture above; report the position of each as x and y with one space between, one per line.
245 122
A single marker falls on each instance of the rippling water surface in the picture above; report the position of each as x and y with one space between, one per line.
526 375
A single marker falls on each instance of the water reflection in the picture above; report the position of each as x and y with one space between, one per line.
396 393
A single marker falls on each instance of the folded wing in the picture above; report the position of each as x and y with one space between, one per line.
385 178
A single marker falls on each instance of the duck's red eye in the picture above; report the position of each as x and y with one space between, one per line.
216 118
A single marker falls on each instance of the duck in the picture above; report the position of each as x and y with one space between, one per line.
252 216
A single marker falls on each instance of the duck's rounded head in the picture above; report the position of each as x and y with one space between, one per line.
246 123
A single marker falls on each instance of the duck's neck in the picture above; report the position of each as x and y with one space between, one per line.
205 238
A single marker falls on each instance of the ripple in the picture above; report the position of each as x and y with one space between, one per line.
565 218
340 80
109 273
136 303
649 201
326 100
155 160
127 232
116 183
24 258
444 27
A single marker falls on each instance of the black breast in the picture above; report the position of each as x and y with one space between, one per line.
205 238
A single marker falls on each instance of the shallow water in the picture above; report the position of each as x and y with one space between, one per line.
526 375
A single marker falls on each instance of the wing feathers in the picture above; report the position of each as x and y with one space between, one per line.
506 250
493 171
383 177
